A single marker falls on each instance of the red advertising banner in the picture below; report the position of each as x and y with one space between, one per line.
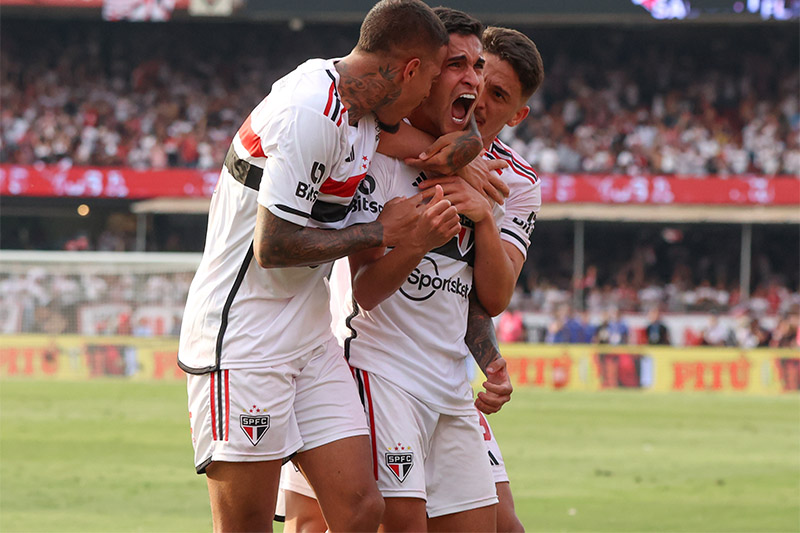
100 182
105 182
666 190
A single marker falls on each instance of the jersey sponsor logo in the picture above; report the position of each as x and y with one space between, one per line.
367 185
425 280
526 225
361 201
399 460
306 191
254 426
317 172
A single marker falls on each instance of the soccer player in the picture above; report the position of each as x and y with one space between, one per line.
513 71
407 330
255 340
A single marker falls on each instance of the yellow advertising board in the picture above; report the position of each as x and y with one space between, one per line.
653 368
573 367
78 356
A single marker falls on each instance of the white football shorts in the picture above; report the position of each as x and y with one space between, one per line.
493 449
419 453
265 414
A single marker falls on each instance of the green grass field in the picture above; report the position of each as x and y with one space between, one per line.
116 456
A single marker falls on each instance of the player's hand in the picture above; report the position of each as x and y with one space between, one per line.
400 216
482 175
438 222
449 153
465 199
498 388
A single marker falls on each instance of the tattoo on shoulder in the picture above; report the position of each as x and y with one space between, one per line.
368 92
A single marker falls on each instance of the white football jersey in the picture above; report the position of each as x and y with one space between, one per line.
298 156
415 337
524 198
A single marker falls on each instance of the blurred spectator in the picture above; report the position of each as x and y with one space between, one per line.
716 334
750 334
612 329
656 331
557 331
510 327
785 333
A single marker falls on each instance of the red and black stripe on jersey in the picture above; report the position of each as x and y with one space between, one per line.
250 175
250 139
516 164
334 109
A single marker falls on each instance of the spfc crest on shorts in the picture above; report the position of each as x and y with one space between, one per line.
400 463
254 426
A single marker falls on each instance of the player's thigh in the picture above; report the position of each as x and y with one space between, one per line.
507 519
342 478
459 477
243 415
302 511
404 514
481 519
327 405
243 494
401 428
303 514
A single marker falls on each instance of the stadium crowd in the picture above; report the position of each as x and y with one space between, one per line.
661 100
614 101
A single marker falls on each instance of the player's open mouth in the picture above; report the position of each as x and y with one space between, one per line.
461 107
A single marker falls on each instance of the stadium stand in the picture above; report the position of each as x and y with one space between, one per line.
695 100
630 101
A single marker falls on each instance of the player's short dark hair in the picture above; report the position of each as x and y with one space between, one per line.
458 22
520 52
401 24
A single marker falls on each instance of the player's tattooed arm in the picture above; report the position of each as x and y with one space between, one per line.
367 92
482 343
279 243
449 153
480 337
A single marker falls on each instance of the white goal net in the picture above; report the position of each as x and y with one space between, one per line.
94 293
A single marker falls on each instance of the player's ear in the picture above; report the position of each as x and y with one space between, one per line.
412 68
519 116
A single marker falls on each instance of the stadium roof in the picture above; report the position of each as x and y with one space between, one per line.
550 211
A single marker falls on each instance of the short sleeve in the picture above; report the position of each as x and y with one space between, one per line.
522 206
306 148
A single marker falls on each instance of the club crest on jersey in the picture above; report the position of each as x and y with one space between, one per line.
465 239
254 426
400 459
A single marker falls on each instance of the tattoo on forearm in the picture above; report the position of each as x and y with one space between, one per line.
283 244
480 336
368 92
